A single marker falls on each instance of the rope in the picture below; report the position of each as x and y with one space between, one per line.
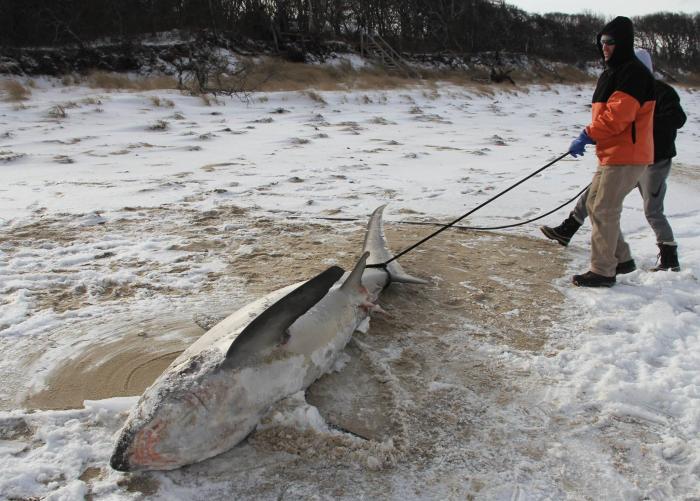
459 227
443 228
485 228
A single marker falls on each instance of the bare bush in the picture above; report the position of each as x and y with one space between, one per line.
206 71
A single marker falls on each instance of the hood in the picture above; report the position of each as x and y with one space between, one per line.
622 30
645 58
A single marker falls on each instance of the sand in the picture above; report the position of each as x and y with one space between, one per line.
501 283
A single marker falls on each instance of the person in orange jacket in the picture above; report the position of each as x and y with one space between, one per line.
621 129
668 118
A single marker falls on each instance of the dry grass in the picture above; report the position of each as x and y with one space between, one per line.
15 91
315 97
691 81
161 102
159 125
57 112
270 74
67 80
92 100
562 74
115 81
209 100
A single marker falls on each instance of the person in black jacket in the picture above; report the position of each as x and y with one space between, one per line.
668 118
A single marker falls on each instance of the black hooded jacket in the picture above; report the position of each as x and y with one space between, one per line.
623 102
668 118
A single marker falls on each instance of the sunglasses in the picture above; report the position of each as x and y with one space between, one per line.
608 41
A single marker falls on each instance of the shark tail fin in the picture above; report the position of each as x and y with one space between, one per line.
376 245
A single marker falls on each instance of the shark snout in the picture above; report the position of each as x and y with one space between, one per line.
120 457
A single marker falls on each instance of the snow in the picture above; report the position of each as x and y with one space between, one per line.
300 415
611 404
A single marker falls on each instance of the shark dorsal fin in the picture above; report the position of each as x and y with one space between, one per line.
355 278
268 328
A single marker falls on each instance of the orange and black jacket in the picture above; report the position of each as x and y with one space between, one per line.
623 103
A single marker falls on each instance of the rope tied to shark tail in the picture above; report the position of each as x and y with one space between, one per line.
382 266
385 269
498 195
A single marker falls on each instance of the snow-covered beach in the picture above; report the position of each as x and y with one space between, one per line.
138 212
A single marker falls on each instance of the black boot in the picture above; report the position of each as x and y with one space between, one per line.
625 267
590 279
563 232
668 258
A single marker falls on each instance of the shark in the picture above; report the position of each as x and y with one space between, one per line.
213 395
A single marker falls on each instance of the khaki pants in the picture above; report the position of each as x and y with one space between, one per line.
610 186
652 187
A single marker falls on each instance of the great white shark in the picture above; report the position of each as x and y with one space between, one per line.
214 394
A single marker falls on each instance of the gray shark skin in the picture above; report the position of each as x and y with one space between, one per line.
214 394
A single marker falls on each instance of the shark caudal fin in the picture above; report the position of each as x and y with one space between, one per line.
376 245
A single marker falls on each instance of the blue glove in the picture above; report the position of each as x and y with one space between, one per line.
578 145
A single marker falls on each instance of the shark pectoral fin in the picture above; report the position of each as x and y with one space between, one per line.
269 328
354 280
